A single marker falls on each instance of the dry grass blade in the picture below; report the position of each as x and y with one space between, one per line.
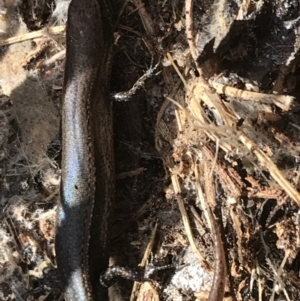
285 102
270 166
186 223
201 93
148 250
43 33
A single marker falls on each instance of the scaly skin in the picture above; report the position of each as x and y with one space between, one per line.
218 285
87 184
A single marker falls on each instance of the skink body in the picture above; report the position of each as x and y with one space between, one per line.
87 185
218 285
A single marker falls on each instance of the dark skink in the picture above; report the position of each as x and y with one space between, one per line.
87 184
218 285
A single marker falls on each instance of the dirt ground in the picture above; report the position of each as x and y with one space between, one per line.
215 124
